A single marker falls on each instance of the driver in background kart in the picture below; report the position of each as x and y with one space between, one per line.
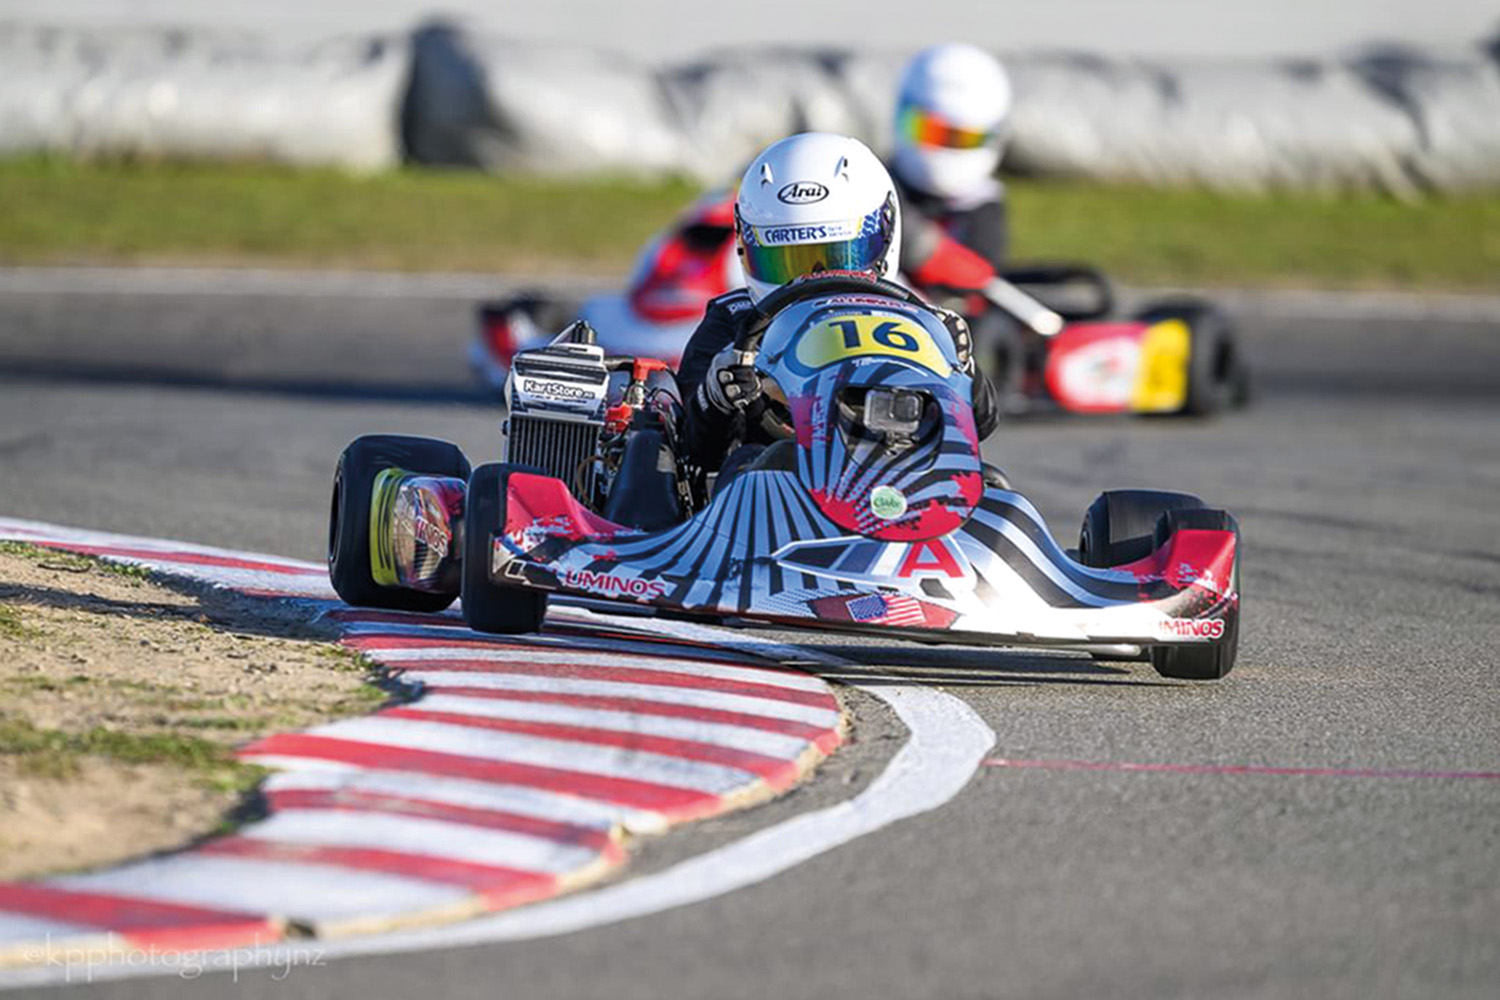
809 203
951 117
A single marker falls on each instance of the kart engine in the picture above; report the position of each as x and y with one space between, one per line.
557 397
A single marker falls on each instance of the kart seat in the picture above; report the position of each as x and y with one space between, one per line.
779 456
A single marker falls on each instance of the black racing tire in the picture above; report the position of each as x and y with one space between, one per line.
1142 656
1120 525
489 606
1206 662
1217 374
349 562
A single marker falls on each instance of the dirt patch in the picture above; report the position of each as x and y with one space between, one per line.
122 698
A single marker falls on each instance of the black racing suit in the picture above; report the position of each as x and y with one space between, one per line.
708 433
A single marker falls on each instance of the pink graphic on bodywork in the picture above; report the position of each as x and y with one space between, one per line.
1191 557
543 506
962 417
932 520
970 487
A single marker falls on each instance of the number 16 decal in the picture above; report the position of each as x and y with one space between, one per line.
863 335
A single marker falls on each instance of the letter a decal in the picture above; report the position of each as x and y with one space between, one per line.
929 558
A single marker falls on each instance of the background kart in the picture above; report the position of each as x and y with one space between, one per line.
1176 356
675 276
875 512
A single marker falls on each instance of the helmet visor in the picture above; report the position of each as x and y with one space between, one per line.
924 128
779 254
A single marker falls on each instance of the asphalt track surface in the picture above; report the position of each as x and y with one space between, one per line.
1324 822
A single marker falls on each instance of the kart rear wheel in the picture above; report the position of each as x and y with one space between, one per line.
489 606
1203 662
1120 525
1217 375
349 560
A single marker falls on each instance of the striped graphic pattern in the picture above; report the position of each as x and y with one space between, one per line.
765 551
514 775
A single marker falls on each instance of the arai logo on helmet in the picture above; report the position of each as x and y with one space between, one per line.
887 503
802 193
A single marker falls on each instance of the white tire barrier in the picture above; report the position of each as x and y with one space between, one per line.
191 94
1394 121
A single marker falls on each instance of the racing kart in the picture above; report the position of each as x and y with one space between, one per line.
675 276
872 511
1049 334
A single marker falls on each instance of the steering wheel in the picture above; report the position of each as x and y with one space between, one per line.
773 418
812 286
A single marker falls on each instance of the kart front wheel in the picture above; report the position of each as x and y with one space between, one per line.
1122 526
1208 661
350 565
489 606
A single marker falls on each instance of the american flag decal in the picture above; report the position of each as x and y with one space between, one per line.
893 609
903 610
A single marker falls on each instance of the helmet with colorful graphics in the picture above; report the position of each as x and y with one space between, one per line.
951 117
816 202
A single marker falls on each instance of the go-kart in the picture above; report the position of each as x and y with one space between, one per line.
1050 335
872 511
675 276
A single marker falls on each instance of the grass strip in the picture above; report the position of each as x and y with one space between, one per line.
65 212
55 753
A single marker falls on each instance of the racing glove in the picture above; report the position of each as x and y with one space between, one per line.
986 410
730 385
963 340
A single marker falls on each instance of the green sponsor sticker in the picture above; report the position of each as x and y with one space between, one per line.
887 502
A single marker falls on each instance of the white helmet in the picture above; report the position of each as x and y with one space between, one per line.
950 122
816 202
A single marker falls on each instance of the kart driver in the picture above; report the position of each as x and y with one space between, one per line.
951 117
793 196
